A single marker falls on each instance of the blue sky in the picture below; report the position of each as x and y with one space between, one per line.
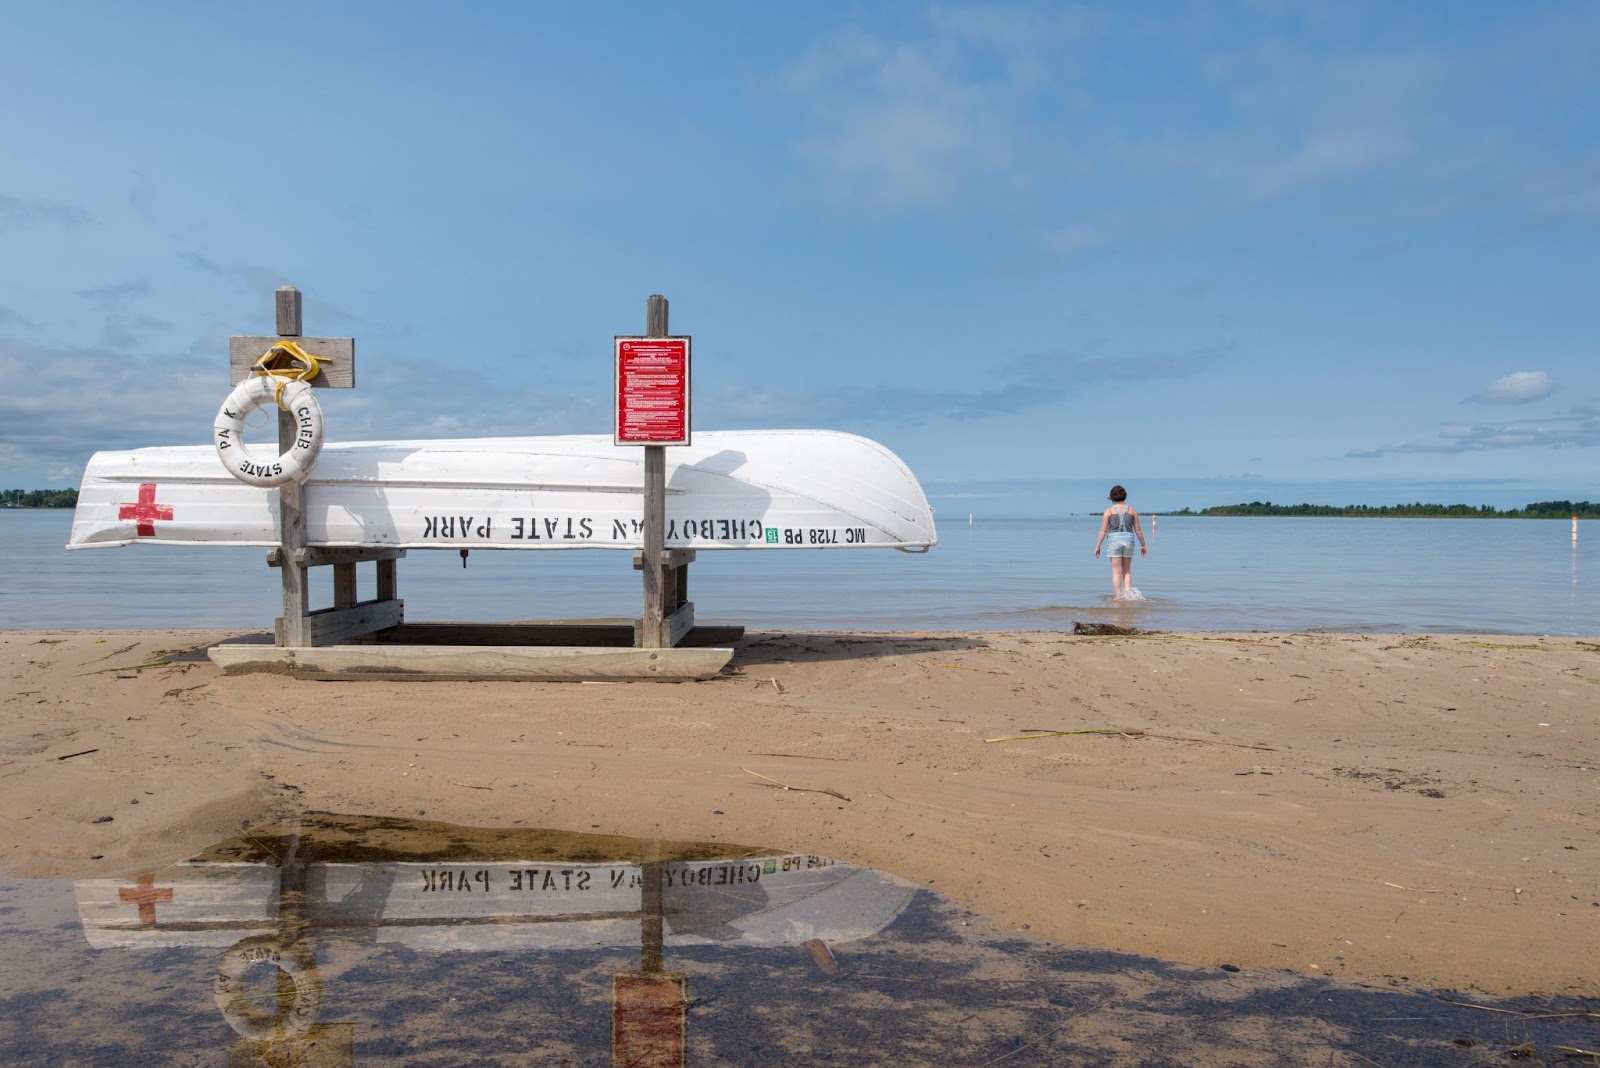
1344 252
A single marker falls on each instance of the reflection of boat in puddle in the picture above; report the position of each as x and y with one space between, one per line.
484 903
273 897
336 946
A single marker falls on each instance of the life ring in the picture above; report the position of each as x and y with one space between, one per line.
290 1017
295 464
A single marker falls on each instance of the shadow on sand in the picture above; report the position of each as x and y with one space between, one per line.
788 647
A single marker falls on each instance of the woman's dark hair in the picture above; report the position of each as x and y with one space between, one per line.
1119 494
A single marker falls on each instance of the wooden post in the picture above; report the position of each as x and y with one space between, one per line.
301 627
388 580
295 631
655 507
344 586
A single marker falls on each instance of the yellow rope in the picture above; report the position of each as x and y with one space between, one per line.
309 367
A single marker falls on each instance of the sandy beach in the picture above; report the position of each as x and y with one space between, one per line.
1418 809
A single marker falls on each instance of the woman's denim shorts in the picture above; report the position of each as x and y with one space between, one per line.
1119 543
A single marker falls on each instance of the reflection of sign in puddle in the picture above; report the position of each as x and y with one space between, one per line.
270 898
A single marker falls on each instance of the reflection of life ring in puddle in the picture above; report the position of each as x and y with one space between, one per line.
291 1017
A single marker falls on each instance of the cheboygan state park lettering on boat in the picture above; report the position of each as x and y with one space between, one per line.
482 528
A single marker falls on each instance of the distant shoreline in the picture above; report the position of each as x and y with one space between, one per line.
1215 513
68 498
1535 510
38 498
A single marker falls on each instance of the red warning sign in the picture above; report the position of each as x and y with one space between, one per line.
652 377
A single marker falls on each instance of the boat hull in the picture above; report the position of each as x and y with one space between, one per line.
759 489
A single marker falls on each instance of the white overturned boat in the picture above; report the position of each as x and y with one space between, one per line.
747 489
251 912
499 905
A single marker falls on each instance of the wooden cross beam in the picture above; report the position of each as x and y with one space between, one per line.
339 370
338 356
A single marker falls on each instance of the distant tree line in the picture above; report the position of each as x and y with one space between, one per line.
48 498
1536 510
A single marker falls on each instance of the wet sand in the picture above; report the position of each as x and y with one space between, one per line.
1383 808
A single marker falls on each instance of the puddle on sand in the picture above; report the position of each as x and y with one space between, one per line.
337 940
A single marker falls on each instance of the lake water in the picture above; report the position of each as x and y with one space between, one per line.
1202 574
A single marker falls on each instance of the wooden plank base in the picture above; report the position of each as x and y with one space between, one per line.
604 633
326 626
447 663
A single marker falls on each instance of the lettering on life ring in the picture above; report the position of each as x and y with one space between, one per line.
295 464
287 1017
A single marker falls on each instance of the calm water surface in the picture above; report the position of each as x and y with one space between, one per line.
1214 574
347 940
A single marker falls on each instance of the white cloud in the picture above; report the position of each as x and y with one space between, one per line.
1074 238
1302 120
1334 153
1580 429
1571 189
18 212
256 280
920 123
81 400
1520 387
1012 386
912 135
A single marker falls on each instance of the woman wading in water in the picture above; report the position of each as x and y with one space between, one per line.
1119 525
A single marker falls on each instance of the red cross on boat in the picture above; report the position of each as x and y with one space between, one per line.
147 895
146 511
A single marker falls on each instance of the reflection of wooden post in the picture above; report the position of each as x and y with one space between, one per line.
315 1045
296 630
651 934
649 1017
291 904
655 507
